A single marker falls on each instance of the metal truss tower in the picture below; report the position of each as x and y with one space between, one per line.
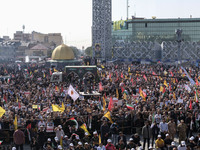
101 28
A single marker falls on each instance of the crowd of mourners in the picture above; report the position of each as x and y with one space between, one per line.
153 107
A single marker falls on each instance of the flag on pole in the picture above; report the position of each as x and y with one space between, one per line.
107 115
2 111
165 83
15 122
54 69
130 106
129 69
62 107
56 108
100 87
74 120
145 77
72 93
84 127
110 105
99 139
190 106
56 88
117 93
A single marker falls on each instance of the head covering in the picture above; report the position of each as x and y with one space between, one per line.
95 132
191 138
59 126
79 143
159 136
86 133
109 141
65 136
167 135
131 139
77 137
49 139
71 144
56 138
182 142
86 143
59 147
14 148
173 143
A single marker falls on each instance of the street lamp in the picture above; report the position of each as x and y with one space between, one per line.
179 39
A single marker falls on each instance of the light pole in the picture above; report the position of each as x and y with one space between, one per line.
179 39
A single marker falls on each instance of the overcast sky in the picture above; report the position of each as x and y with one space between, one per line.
73 18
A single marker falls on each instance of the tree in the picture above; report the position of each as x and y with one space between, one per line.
76 51
88 51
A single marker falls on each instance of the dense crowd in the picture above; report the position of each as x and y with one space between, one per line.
149 106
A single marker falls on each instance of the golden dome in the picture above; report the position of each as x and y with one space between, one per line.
62 52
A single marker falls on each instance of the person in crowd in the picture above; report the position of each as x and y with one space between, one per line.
121 137
19 139
191 144
167 141
155 131
120 145
163 128
159 143
101 147
182 146
114 131
146 133
182 131
104 132
130 144
66 142
172 146
172 128
109 145
136 139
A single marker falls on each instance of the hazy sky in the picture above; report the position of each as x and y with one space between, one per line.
73 18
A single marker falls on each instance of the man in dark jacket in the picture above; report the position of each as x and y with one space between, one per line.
146 132
123 137
104 132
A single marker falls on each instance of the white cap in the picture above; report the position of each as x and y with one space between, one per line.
56 138
77 137
79 143
59 147
191 138
159 136
71 144
14 148
49 139
86 143
199 139
95 132
182 142
140 148
109 141
59 126
132 148
167 134
173 143
131 139
65 136
86 133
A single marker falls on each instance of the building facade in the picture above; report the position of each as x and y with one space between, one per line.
158 30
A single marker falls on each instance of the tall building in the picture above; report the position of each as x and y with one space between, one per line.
159 30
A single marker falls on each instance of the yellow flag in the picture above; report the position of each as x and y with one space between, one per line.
99 139
56 108
61 141
15 122
174 95
129 69
54 69
165 83
117 93
104 104
124 96
63 107
102 67
161 89
84 127
126 77
2 111
17 99
107 115
34 106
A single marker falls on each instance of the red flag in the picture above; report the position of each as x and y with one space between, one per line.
164 90
100 87
109 75
50 71
132 80
19 105
4 98
110 105
122 75
170 87
29 126
61 89
154 73
171 74
145 77
190 105
122 89
56 88
105 95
